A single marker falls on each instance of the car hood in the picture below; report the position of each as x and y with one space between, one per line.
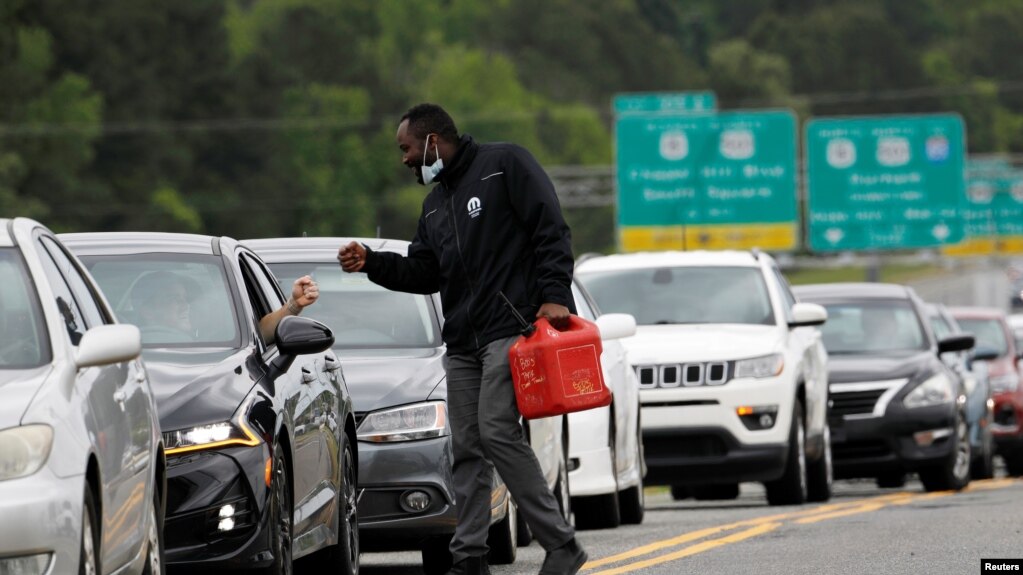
654 344
378 379
18 387
198 387
843 368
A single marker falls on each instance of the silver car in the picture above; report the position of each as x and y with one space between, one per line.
81 455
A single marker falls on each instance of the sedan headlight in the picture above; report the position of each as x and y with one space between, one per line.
407 423
766 366
1003 383
214 435
936 390
23 450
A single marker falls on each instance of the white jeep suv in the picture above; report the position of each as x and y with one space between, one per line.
731 369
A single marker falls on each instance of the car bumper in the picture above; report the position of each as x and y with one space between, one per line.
388 471
693 456
42 515
898 441
694 435
199 486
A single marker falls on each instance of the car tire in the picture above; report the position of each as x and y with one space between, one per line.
681 492
88 562
503 538
716 492
154 539
280 508
436 553
952 474
343 557
561 491
632 500
891 480
820 473
1013 460
600 511
983 466
791 488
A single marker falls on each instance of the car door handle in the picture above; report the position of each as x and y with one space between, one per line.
330 363
307 376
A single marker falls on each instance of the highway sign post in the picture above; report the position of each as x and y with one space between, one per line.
879 183
706 181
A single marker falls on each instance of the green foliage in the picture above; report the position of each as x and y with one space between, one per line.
277 117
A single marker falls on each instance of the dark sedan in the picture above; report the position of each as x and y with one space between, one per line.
894 406
260 435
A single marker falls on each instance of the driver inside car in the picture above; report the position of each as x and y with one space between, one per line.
163 308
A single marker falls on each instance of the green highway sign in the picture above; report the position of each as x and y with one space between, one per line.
999 200
718 180
885 182
665 102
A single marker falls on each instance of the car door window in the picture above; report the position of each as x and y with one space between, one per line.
786 293
70 312
80 289
263 299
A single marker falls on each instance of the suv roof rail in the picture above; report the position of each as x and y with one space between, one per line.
756 253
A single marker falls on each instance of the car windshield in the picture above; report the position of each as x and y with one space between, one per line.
872 327
940 327
23 342
361 314
176 300
989 333
674 295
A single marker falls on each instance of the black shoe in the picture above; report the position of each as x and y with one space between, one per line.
470 566
565 560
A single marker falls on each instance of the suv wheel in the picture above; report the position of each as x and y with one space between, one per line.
791 488
819 474
503 538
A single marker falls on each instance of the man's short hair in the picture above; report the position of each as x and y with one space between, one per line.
426 119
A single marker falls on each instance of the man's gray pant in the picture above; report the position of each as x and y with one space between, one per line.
485 428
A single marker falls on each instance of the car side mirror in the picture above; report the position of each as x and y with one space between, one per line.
984 354
960 342
108 344
808 314
301 335
616 326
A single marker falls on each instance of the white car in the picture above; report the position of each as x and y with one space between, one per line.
732 372
82 470
605 444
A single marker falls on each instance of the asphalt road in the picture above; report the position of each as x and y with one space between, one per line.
862 530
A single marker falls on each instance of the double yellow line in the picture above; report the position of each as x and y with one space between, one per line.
708 538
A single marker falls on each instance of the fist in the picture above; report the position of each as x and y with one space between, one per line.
305 291
352 257
557 314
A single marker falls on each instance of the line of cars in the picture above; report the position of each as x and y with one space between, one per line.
215 445
744 378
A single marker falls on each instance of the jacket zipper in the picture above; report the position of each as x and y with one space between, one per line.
465 268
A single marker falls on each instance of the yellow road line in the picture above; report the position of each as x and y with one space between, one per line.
694 549
760 525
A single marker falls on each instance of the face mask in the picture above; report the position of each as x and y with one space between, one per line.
430 172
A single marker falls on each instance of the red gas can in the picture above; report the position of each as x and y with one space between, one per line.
557 372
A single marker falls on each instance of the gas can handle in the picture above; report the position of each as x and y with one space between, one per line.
527 328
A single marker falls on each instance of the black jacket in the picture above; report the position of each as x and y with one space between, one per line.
492 224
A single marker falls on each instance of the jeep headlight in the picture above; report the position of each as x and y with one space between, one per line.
765 366
24 450
236 431
1003 383
406 423
936 390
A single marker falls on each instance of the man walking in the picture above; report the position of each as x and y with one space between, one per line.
490 229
